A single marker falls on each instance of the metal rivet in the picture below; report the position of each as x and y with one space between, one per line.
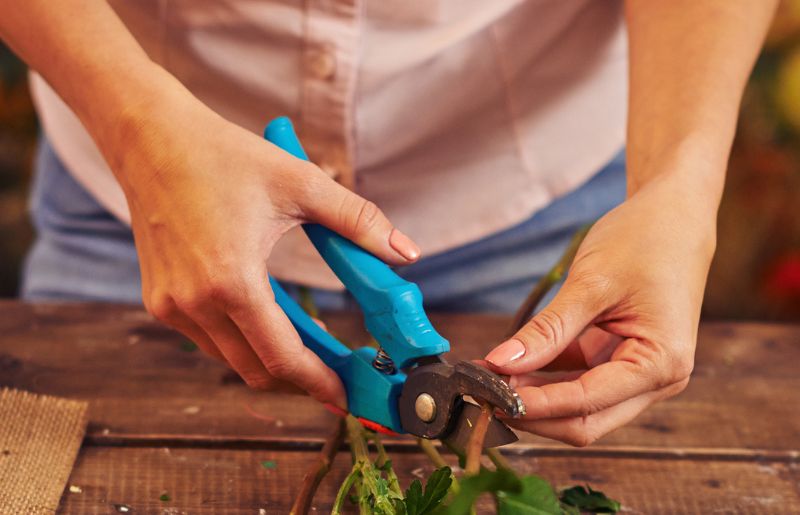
425 407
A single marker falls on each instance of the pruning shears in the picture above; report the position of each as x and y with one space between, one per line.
404 386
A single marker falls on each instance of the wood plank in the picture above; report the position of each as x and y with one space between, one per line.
234 482
142 385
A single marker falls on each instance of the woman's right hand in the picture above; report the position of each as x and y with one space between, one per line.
208 202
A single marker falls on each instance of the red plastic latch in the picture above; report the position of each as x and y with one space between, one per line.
377 427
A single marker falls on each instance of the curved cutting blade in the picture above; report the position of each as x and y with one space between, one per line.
432 405
496 435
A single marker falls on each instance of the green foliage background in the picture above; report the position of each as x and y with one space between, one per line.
18 129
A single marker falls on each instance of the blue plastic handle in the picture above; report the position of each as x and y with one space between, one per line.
392 309
392 306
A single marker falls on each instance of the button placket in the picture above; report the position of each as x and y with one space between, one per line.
328 85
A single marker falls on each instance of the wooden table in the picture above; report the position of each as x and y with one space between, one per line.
165 419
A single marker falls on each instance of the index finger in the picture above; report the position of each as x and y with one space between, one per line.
277 344
630 373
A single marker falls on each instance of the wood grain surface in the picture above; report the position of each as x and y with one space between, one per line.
163 418
233 481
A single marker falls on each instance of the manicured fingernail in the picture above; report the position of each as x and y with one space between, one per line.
506 352
336 410
403 245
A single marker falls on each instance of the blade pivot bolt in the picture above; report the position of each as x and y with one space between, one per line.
425 406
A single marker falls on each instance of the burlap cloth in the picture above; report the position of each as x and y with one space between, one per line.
39 440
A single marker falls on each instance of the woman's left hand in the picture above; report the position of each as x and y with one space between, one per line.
621 332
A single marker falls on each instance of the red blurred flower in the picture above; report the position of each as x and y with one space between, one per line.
783 276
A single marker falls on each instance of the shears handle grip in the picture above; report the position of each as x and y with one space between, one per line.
392 306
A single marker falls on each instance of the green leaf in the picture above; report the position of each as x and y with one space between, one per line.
586 499
567 509
269 464
472 487
164 497
374 490
413 499
536 498
436 488
381 487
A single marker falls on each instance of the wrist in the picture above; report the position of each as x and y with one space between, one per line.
693 164
136 123
687 190
124 103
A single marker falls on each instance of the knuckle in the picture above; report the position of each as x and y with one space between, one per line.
258 381
587 407
679 387
678 368
190 300
580 436
283 367
225 290
161 305
684 369
649 359
367 218
305 194
547 325
578 440
595 286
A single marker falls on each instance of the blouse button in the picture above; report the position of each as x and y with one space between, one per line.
322 63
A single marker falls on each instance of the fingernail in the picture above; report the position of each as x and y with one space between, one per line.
336 410
403 245
506 352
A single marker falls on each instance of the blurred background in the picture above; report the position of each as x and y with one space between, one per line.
756 272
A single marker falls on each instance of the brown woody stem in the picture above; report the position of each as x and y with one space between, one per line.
318 470
474 447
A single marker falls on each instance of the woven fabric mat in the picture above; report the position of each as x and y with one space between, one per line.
39 440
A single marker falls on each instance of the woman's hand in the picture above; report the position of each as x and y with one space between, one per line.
621 332
208 201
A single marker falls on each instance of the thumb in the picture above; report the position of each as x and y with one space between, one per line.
548 333
360 221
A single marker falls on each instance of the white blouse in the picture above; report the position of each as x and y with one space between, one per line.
459 118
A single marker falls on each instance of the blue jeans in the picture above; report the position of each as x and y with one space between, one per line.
82 252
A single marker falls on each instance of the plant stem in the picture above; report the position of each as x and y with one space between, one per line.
307 302
474 447
394 483
498 459
371 498
318 470
432 452
343 490
358 446
550 279
438 461
355 435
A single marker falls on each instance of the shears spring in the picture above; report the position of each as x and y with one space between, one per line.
383 362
